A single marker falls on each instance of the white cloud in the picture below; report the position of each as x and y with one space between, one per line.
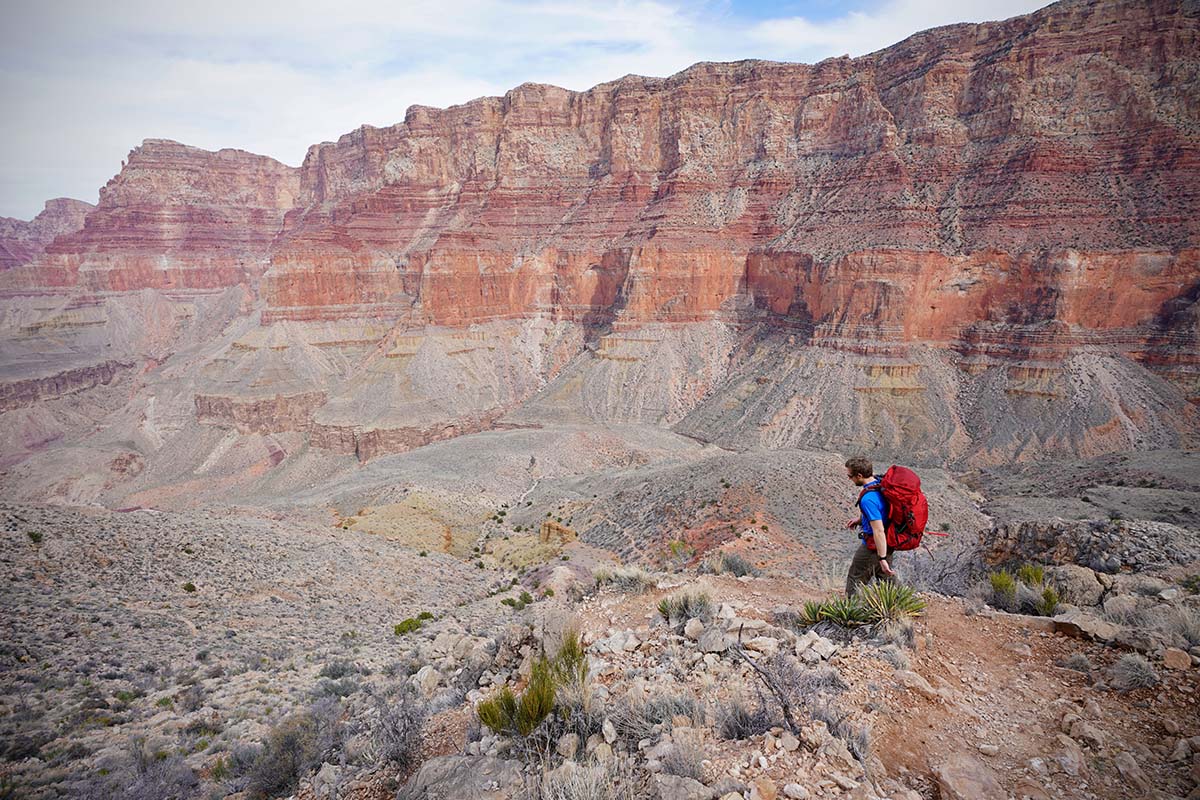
84 82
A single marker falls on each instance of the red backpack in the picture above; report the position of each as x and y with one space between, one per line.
907 509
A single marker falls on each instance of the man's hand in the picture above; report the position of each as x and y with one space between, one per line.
883 565
853 523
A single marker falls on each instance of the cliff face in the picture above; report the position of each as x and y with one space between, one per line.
948 224
175 217
21 242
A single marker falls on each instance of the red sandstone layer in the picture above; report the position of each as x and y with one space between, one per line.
989 187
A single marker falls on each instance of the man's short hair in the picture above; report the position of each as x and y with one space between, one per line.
860 465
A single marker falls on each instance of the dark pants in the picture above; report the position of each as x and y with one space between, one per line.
864 568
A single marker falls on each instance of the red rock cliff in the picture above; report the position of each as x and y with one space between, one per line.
993 188
21 242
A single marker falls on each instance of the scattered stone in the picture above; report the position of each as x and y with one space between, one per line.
609 730
678 787
693 629
963 777
427 680
795 791
455 777
763 789
713 640
1128 767
1174 658
911 680
568 745
989 749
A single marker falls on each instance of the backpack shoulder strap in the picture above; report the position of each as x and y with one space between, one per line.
875 487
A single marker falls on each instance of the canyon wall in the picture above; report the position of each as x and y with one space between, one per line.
980 224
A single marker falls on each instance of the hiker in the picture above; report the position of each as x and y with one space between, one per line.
870 561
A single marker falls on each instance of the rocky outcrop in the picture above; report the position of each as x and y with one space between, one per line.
26 392
260 415
1103 546
21 242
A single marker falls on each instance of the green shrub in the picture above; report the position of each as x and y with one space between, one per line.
889 601
189 587
526 598
423 553
1004 589
34 536
424 615
548 592
509 715
1048 604
407 626
1031 574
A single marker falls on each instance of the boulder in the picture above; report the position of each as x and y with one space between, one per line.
1076 584
713 640
693 629
427 680
964 777
455 777
1084 625
1174 658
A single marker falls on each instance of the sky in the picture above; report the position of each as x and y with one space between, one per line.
83 83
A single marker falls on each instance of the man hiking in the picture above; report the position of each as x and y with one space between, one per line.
870 561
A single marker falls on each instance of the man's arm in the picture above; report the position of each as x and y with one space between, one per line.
881 545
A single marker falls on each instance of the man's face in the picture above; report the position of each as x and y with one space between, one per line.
859 480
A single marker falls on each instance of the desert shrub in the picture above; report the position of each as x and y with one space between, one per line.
156 775
678 608
34 536
1182 624
950 566
738 720
294 748
410 625
425 615
897 633
889 601
526 598
637 718
1124 610
579 782
344 687
732 563
509 715
189 587
625 579
1048 603
399 731
1191 584
338 669
1004 590
684 761
1031 574
1078 662
1132 671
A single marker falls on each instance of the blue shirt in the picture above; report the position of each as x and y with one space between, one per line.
872 507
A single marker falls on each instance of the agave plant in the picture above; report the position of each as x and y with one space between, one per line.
889 601
844 611
811 614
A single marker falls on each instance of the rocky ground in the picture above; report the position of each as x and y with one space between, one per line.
209 653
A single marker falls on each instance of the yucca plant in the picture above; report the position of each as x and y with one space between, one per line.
844 611
889 601
682 606
811 614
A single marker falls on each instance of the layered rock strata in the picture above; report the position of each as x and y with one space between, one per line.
980 227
